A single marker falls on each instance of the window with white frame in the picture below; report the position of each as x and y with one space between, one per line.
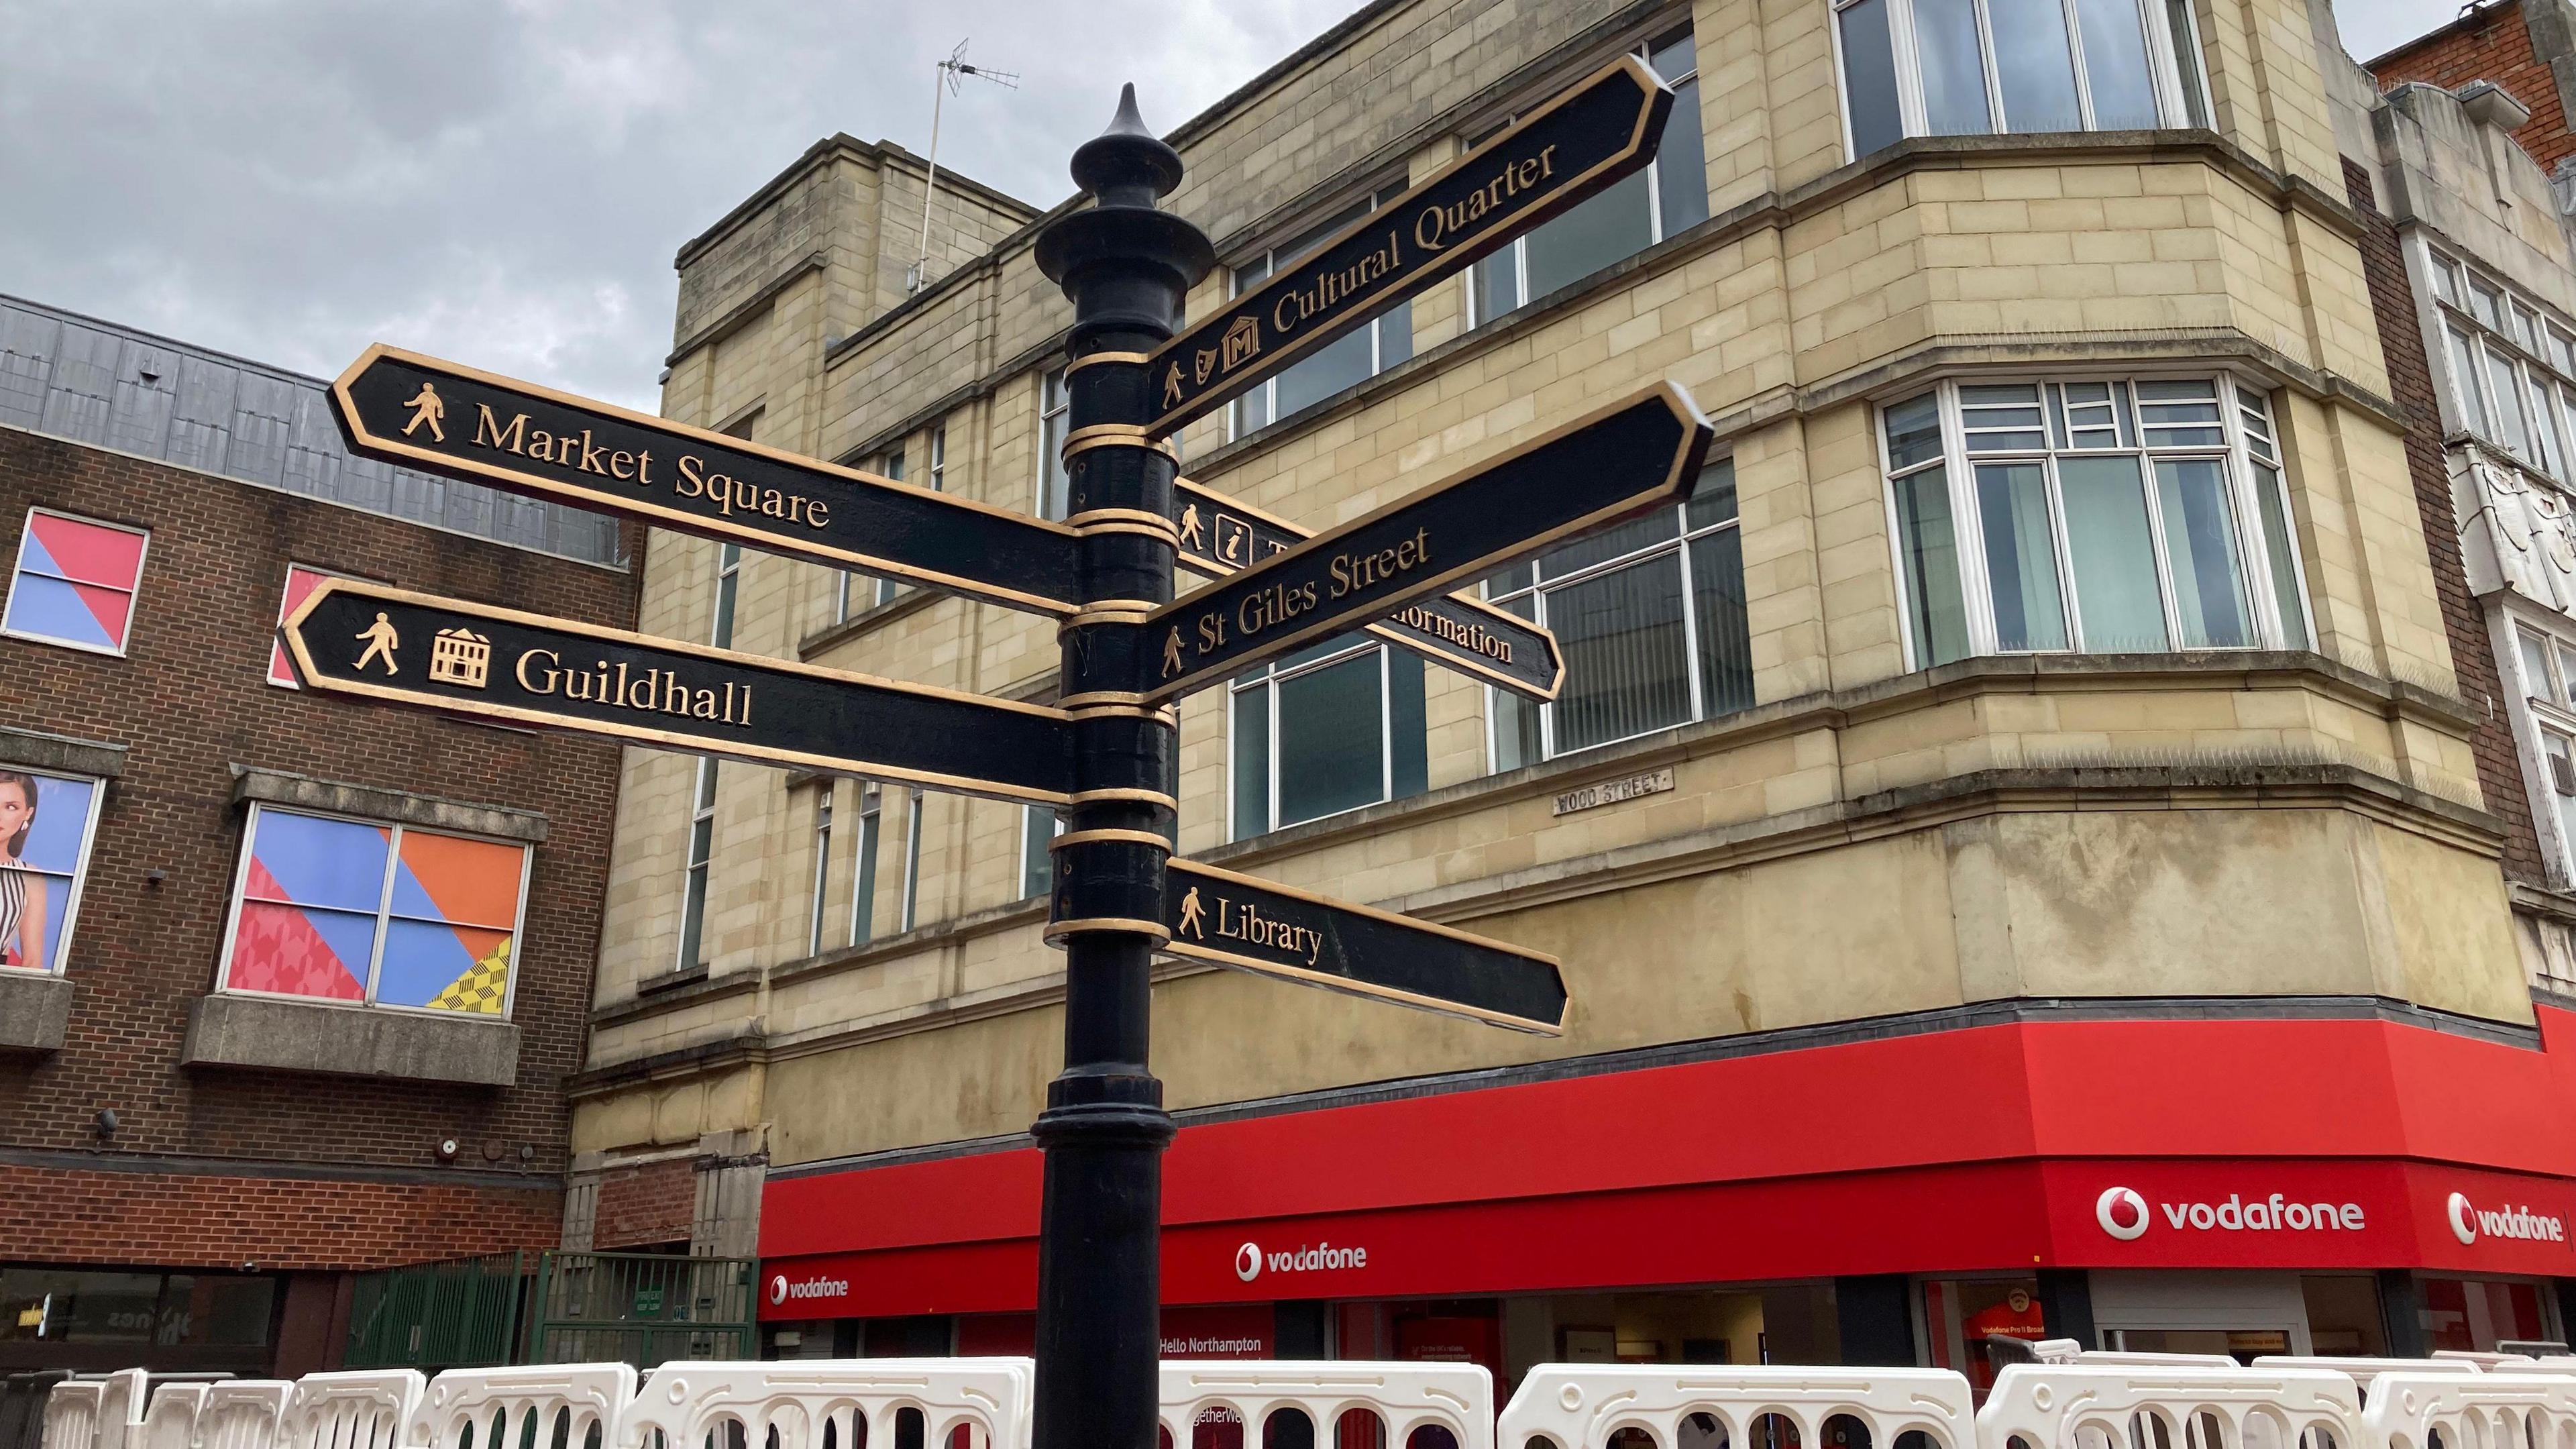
858 591
1039 826
912 862
2545 726
1333 727
1650 616
1378 344
75 582
1054 485
345 910
822 865
2509 365
47 823
1661 201
2122 515
863 871
1988 67
693 888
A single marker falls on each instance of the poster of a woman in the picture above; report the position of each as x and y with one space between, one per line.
23 897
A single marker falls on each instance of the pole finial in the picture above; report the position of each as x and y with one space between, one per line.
1115 164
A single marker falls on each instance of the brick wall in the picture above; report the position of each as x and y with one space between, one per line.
2410 379
2494 44
188 701
655 1203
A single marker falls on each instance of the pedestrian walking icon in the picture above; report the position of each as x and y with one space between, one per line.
426 407
1193 914
381 641
1172 654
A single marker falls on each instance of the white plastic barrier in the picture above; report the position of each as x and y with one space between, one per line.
365 1409
685 1402
544 1404
122 1399
170 1422
242 1413
2184 1406
1457 1399
71 1414
1582 1406
2489 1410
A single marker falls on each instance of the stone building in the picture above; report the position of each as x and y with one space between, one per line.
2526 47
2052 886
288 985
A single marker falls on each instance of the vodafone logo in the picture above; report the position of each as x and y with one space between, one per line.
1247 1262
2122 1213
2470 1223
1251 1262
778 1289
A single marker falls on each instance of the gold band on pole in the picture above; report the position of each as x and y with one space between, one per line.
1124 797
1098 359
1115 435
1057 930
1120 837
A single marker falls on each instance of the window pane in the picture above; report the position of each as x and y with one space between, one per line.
2115 65
2486 303
1037 863
2000 418
1676 58
2114 555
1611 227
2186 43
1914 431
1869 78
2035 66
1409 742
2180 414
2544 426
693 897
444 967
1610 543
1930 553
2469 390
863 890
1497 285
2561 767
301 951
1332 369
2504 391
1681 164
2021 556
2446 279
1331 741
1954 67
305 860
1053 485
1725 640
1712 499
2535 663
1627 659
1516 720
2277 553
1251 762
466 882
1395 335
2200 545
44 822
75 582
728 583
2567 673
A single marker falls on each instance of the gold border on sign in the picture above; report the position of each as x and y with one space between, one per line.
367 443
1348 987
1189 411
1056 931
292 627
1388 629
1696 435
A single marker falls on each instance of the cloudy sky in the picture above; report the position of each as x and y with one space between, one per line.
505 181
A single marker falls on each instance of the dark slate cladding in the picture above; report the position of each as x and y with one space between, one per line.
113 387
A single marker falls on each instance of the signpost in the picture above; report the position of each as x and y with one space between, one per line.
1593 471
1219 536
371 641
403 407
1583 141
1106 756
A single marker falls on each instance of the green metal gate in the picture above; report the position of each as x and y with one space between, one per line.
642 1308
463 1313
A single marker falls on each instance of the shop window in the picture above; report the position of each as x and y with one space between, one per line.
383 915
1651 617
2473 1315
1376 345
202 1311
1661 201
1328 729
1962 1313
2343 1315
75 582
1985 67
46 826
2119 516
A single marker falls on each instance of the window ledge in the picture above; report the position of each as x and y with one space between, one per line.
349 1041
34 750
875 616
34 1009
302 792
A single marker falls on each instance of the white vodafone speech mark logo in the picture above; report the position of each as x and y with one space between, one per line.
2122 1213
1247 1262
2464 1225
778 1289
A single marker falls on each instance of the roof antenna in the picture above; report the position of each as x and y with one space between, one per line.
946 85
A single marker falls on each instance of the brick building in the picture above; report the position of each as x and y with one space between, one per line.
290 983
2053 871
2527 47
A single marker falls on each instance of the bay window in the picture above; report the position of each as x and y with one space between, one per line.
1986 67
1333 727
2105 516
1650 615
1376 345
1663 200
2510 368
2540 672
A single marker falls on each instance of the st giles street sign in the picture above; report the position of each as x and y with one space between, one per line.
1105 754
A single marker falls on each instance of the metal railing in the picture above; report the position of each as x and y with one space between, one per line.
642 1309
461 1313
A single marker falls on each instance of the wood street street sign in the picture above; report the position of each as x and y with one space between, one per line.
392 645
1252 925
1460 631
1586 139
443 418
1593 471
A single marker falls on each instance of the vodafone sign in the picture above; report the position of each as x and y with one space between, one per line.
2125 1215
2469 1222
2293 1213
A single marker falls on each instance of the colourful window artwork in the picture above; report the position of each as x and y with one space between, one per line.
75 582
348 911
300 584
45 827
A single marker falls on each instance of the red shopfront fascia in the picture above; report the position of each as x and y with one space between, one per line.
2113 1144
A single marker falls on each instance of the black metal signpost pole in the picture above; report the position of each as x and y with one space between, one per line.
1127 266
